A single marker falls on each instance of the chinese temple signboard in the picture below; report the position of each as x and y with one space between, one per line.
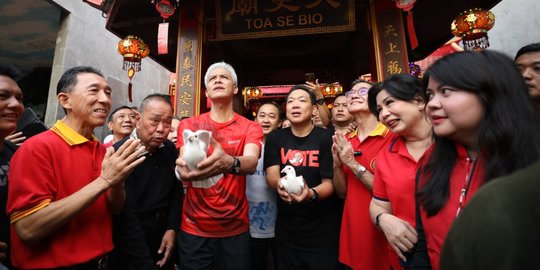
243 19
186 89
389 37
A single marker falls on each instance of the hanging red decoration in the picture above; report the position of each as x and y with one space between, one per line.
165 8
472 26
407 6
133 49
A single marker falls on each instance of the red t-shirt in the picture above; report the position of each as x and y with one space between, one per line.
362 245
394 182
49 167
436 227
222 209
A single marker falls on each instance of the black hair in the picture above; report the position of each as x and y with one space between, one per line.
401 86
158 97
357 81
305 88
280 111
116 110
342 94
535 47
10 72
69 78
507 134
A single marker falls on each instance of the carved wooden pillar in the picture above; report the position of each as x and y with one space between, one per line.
389 39
189 56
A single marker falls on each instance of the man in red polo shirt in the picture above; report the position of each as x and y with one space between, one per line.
215 225
64 184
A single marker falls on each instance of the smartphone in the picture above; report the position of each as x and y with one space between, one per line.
310 77
30 124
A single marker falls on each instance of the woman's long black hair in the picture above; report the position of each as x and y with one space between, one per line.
507 136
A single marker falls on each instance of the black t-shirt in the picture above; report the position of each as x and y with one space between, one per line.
5 157
306 225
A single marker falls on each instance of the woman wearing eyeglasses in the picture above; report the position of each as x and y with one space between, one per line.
361 245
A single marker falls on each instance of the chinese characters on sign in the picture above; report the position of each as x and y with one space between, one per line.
241 19
389 36
186 75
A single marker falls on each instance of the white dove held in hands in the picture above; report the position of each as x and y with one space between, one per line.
195 146
292 183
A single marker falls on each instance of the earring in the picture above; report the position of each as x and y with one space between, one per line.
421 107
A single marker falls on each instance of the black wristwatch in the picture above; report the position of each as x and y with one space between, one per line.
378 218
320 101
315 196
235 169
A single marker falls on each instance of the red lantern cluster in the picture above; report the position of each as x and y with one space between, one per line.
133 49
472 26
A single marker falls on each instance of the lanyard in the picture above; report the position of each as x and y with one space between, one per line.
468 180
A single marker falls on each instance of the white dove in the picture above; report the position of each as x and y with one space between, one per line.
291 182
196 144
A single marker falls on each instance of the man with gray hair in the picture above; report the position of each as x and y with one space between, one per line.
215 225
145 231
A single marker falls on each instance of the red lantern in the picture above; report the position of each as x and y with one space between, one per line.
133 49
165 8
472 26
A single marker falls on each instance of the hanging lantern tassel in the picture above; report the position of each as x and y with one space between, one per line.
407 6
131 72
410 28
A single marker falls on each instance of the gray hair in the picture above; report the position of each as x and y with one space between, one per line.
154 97
224 65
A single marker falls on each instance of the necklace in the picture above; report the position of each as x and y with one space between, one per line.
468 180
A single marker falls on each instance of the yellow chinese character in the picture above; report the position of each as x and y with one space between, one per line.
389 30
184 113
281 4
186 80
243 7
332 3
188 45
393 67
188 64
393 48
185 98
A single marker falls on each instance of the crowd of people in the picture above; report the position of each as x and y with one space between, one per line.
435 172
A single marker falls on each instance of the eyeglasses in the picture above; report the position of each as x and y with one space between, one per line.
360 91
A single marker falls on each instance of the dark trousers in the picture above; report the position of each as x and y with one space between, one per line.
263 253
203 253
295 258
141 251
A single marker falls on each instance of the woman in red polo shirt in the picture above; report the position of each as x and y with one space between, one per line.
485 126
399 102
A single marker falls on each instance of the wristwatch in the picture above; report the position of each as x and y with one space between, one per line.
235 169
361 171
320 101
378 218
315 196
